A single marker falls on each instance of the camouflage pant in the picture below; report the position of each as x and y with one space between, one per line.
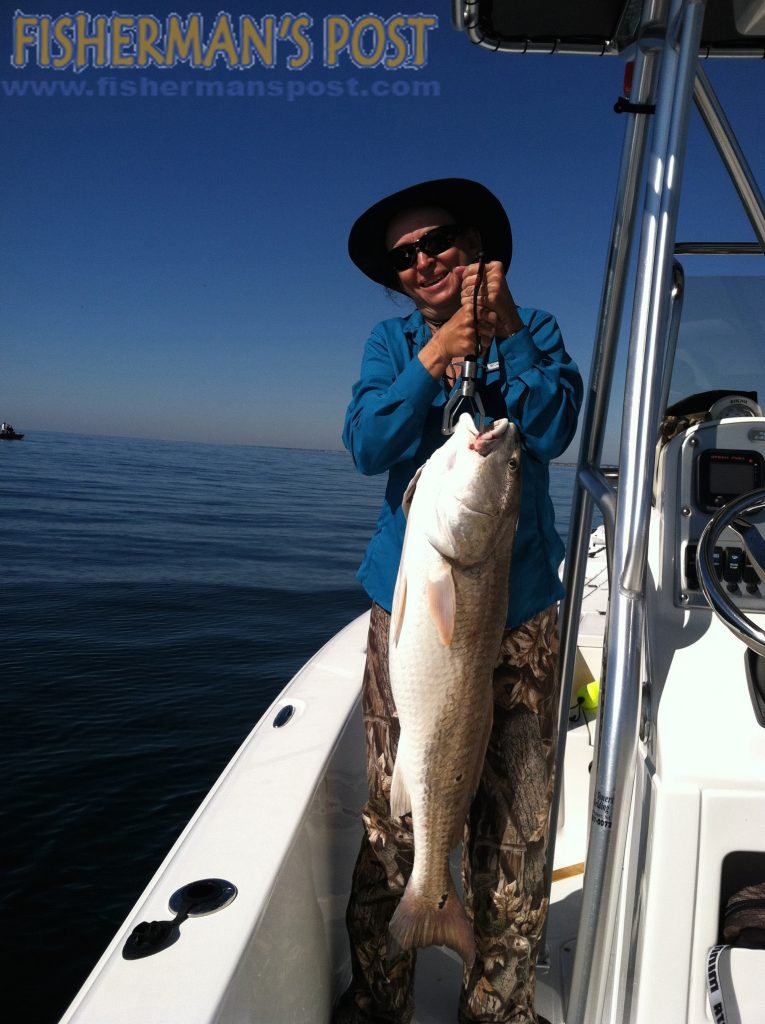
505 840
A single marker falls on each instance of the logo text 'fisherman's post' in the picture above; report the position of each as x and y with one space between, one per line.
74 42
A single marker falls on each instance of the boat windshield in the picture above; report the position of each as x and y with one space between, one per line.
721 340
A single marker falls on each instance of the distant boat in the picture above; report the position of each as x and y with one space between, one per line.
9 434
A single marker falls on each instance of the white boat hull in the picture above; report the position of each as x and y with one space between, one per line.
282 823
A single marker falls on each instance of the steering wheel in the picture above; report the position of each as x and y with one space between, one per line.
732 515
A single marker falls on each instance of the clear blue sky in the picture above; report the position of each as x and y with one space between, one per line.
175 266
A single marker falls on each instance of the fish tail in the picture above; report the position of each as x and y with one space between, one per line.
419 922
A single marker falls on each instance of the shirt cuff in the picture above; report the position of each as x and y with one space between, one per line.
519 352
416 385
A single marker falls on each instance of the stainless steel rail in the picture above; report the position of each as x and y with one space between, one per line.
604 496
465 18
732 155
631 170
676 308
527 46
593 969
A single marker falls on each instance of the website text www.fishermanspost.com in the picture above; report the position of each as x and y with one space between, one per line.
241 53
290 90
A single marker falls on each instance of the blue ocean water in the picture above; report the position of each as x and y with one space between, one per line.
157 597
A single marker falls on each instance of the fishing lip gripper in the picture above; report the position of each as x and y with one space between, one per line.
467 399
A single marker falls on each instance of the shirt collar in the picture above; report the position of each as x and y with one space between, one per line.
417 329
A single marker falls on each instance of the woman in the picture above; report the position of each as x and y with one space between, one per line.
425 242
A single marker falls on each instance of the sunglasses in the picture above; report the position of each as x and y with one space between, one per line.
432 243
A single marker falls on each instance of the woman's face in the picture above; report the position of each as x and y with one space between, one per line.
431 281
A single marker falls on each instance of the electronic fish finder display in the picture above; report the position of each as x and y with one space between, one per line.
723 475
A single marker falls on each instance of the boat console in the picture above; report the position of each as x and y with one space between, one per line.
699 801
701 471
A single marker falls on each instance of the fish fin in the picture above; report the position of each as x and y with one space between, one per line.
400 800
411 487
399 596
417 922
399 607
442 604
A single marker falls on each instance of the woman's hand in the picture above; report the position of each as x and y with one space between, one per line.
493 297
456 339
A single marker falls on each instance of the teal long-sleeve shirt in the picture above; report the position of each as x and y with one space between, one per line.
393 425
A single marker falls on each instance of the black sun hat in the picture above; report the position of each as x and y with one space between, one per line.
471 205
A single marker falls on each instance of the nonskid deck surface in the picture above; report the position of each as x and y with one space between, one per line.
439 971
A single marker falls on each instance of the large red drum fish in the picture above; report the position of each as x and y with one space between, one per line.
449 612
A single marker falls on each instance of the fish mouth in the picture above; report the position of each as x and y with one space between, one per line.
497 428
487 442
495 431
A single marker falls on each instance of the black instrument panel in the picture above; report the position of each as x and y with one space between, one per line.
724 474
705 468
